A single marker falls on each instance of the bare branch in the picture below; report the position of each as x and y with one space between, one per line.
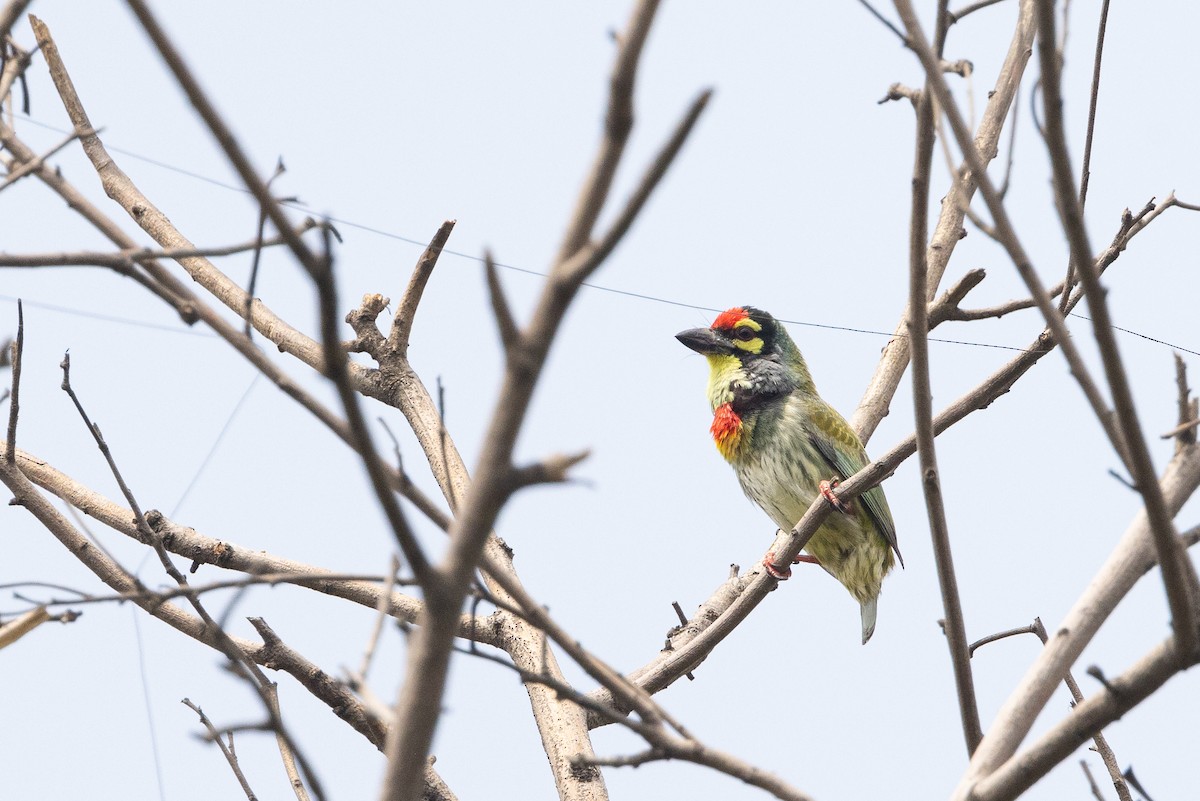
14 630
28 167
226 749
575 270
1179 576
244 665
1099 796
336 370
402 323
918 327
734 599
982 641
1085 170
509 333
258 249
946 307
1125 565
1189 409
14 404
551 470
381 610
420 697
339 700
124 258
224 136
884 21
949 229
618 122
1007 235
1131 688
9 16
956 16
1102 746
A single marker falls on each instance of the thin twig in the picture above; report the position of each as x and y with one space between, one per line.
14 405
1179 575
955 629
14 630
224 136
418 706
618 122
293 760
406 313
1087 771
124 258
737 597
509 333
335 363
311 579
381 610
199 549
1004 228
956 16
332 694
28 167
1102 747
1001 635
258 249
877 397
884 21
244 665
226 749
1189 409
662 743
1133 781
585 261
1130 224
1085 172
1019 773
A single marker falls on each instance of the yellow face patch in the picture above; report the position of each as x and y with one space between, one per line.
744 336
725 372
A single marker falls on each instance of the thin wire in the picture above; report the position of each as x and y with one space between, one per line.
109 318
471 257
237 407
1143 336
216 444
141 651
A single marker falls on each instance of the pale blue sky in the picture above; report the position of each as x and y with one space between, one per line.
792 195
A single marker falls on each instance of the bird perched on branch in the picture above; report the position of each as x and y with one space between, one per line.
787 446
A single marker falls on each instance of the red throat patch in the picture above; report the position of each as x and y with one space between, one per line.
726 429
727 319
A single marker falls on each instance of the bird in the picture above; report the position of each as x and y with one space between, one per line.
787 446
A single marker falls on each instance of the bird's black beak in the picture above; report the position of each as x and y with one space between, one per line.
703 340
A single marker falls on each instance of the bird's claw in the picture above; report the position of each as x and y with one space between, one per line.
826 489
776 573
786 573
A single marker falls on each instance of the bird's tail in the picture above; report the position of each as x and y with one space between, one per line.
869 608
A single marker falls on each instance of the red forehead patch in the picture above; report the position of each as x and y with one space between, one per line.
727 319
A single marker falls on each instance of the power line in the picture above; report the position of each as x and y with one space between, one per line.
298 206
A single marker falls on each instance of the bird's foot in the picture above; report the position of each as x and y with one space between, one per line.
776 573
784 575
826 489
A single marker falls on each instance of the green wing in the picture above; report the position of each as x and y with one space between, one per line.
837 442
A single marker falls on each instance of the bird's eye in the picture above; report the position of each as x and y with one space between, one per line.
745 333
